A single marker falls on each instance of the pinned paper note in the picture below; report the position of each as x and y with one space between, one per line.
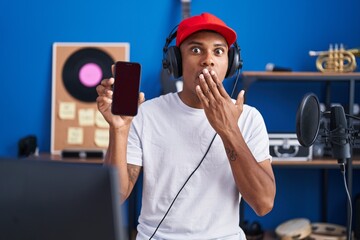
86 117
101 137
75 135
67 110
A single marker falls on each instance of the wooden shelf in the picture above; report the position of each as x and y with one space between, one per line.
316 163
302 75
253 76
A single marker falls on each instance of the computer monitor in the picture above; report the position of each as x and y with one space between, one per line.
48 200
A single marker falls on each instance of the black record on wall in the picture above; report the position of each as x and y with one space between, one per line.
84 70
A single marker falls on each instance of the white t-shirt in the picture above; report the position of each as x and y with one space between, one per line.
169 139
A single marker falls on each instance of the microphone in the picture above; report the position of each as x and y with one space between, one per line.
308 120
339 136
270 67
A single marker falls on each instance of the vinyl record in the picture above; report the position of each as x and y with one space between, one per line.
84 70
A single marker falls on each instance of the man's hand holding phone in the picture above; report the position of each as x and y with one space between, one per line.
118 101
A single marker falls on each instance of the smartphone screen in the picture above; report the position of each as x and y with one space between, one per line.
126 88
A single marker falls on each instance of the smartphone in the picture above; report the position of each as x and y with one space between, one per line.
126 88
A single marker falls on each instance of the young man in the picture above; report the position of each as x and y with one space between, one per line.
198 146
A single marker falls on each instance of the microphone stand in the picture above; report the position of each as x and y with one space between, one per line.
349 163
349 168
344 155
349 206
348 186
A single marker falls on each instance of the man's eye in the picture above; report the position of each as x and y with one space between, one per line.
195 50
219 51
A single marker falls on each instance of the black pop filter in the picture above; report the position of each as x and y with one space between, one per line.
308 120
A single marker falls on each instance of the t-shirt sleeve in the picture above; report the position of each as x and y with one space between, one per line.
257 136
134 147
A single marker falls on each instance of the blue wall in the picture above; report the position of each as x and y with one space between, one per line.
276 31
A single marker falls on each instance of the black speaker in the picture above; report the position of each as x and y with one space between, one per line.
172 60
357 217
27 146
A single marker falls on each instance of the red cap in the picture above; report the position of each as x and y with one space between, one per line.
205 21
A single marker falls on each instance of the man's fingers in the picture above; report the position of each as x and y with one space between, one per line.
141 98
214 86
210 81
214 83
107 82
240 98
105 87
101 100
208 87
203 99
113 69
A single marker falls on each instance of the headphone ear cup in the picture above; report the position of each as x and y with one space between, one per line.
234 62
174 61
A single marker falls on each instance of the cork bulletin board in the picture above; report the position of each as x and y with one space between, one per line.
77 68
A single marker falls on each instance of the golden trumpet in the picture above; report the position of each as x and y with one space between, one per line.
337 59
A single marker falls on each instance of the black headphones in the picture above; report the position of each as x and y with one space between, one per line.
173 63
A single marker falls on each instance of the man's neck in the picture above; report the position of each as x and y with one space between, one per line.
190 100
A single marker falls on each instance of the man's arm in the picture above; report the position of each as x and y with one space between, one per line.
119 132
255 181
116 156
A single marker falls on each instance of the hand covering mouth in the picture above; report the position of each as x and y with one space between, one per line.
201 71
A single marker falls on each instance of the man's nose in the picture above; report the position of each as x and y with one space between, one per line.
207 59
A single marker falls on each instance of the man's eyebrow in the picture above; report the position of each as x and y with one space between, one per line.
200 43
